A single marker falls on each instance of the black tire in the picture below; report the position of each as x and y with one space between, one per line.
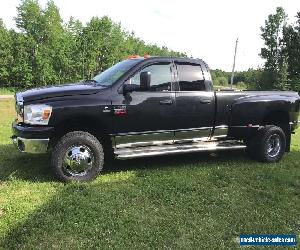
77 150
268 145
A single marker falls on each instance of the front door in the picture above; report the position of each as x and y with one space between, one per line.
194 103
146 117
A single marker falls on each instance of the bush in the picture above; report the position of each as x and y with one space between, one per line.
221 81
242 85
246 86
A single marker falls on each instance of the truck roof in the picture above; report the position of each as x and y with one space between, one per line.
178 59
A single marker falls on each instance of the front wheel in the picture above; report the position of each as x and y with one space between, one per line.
78 156
269 145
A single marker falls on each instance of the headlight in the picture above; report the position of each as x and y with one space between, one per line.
37 114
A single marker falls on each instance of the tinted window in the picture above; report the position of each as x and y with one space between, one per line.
190 77
160 77
109 76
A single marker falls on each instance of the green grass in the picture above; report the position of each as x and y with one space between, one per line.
7 91
197 201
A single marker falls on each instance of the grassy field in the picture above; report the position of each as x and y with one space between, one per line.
7 91
196 201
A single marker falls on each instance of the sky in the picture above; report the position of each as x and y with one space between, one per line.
203 29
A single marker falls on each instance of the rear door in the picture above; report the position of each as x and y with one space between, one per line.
195 104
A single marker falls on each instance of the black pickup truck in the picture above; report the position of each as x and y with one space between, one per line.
147 107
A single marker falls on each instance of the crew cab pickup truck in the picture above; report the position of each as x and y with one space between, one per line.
150 106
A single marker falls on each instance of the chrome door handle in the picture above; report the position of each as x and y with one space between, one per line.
166 102
205 100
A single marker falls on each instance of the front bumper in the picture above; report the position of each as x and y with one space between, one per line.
35 146
31 139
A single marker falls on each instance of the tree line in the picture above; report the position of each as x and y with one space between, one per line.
45 50
281 53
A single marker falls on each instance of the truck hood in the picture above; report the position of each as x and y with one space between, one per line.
60 91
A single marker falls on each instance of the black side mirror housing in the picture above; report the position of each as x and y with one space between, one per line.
145 80
128 88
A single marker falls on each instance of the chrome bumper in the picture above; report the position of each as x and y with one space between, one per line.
35 146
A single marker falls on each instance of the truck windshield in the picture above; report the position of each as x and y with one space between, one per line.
109 76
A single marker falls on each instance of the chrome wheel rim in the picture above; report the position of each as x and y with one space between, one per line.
273 145
78 160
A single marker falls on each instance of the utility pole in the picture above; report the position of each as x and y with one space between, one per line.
232 74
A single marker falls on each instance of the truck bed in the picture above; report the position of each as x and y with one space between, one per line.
241 108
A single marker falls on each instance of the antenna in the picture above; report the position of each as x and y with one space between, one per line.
233 67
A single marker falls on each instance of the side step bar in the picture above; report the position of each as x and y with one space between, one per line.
147 151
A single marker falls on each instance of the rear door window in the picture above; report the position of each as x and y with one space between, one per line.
190 77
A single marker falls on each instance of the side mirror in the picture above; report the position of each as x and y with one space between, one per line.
145 79
128 88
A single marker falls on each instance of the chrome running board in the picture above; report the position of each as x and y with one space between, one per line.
147 151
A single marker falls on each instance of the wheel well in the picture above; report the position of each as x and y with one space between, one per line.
86 124
280 119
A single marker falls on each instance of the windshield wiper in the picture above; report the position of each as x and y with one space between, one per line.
91 81
103 84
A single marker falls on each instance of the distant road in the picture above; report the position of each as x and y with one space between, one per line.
6 97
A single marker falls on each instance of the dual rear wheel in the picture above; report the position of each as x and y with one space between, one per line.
268 145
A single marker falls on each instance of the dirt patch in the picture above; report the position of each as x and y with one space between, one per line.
6 97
